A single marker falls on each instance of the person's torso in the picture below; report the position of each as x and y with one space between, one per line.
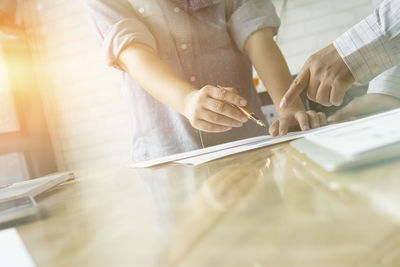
194 40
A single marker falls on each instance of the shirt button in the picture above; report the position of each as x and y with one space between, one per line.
177 9
141 10
193 79
184 46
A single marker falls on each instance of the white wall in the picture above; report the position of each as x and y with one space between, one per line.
310 25
87 116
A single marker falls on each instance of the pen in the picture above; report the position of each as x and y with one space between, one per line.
251 116
248 113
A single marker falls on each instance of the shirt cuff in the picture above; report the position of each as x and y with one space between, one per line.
121 35
387 83
251 17
365 50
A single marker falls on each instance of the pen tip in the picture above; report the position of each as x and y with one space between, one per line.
261 124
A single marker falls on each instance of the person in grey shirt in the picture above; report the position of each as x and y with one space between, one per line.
367 52
186 62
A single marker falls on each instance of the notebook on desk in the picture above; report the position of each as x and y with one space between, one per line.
360 142
33 187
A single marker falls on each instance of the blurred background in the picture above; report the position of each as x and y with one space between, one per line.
61 108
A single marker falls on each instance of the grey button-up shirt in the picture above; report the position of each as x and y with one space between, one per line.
202 40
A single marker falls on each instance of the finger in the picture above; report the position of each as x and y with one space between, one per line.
302 119
219 119
223 108
351 109
274 128
322 119
231 89
283 127
337 116
210 127
313 119
223 94
323 94
296 87
337 95
312 88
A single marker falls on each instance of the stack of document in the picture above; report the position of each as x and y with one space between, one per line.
204 155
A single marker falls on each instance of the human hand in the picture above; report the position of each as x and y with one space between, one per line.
366 104
297 119
209 109
326 77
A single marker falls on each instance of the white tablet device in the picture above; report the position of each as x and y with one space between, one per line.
333 161
363 141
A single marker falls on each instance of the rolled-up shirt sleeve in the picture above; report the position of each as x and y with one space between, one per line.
250 16
116 26
373 45
388 82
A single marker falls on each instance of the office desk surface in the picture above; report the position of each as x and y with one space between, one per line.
269 207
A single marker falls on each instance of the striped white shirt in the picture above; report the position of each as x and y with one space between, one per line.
371 49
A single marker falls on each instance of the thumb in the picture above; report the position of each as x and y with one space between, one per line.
337 116
355 107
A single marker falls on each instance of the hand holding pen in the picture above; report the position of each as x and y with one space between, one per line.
214 109
250 114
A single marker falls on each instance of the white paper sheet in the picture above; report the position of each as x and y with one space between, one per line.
200 159
197 160
13 252
181 156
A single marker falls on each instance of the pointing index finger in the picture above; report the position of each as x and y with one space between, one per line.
297 86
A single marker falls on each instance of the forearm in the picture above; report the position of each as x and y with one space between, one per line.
207 108
155 76
271 66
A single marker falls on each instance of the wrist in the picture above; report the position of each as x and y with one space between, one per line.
187 103
292 109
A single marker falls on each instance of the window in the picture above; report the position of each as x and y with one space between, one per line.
25 146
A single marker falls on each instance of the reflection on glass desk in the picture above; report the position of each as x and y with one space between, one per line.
269 207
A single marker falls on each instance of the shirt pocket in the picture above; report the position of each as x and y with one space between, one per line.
211 28
216 40
151 14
